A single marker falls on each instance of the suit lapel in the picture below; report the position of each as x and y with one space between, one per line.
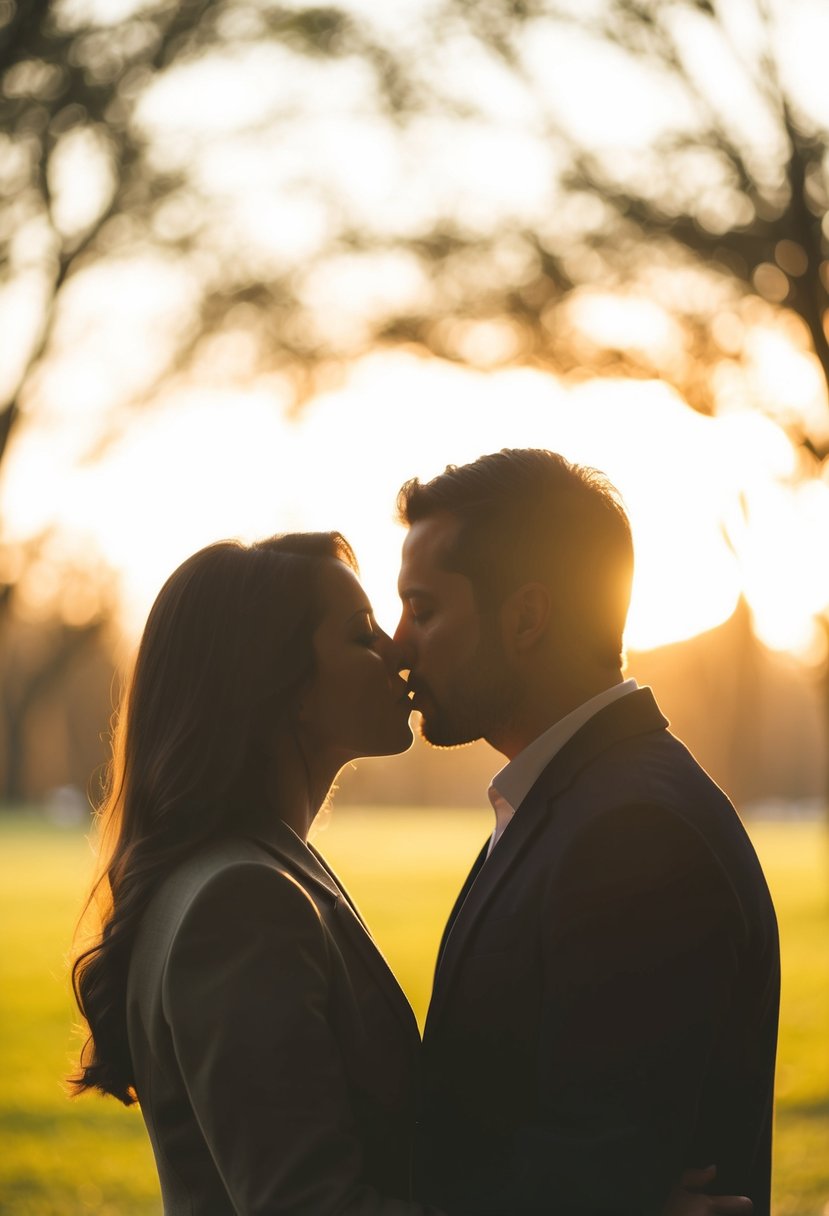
459 902
310 867
286 846
484 879
338 885
360 935
634 714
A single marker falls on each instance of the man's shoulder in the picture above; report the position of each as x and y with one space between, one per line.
626 751
652 769
648 803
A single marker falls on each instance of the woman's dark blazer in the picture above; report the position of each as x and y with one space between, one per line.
274 1052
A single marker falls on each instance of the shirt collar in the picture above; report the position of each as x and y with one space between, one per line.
515 780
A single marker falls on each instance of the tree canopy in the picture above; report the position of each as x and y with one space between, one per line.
479 179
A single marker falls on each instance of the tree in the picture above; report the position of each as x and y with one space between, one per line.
56 651
414 175
714 216
743 208
72 85
758 222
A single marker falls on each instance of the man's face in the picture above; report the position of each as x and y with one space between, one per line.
462 684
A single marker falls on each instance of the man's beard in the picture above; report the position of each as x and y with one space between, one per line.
482 700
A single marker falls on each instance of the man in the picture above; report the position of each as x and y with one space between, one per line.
606 995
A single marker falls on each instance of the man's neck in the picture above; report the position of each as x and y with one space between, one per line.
546 705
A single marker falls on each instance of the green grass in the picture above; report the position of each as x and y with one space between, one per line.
62 1157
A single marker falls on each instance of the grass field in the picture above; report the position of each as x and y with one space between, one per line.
68 1158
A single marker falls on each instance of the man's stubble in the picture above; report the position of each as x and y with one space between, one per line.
480 699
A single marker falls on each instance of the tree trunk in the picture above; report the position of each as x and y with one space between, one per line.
13 792
33 688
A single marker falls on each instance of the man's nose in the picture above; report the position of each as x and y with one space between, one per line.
394 655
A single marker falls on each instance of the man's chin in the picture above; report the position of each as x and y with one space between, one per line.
437 735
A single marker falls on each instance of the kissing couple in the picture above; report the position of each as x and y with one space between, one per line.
602 1031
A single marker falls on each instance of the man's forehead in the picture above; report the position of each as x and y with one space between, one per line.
429 542
428 563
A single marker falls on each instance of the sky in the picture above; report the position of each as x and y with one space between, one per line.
715 503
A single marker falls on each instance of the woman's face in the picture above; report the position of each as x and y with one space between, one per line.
356 703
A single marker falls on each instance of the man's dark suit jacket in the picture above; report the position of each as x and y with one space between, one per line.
606 997
274 1052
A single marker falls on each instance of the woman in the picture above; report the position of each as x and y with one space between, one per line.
234 990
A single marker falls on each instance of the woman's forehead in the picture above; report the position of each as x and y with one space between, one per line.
344 595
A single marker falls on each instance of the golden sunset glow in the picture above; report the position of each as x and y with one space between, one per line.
716 504
720 506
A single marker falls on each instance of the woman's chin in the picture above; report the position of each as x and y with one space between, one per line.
391 744
408 741
404 738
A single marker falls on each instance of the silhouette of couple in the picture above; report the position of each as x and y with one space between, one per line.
604 1015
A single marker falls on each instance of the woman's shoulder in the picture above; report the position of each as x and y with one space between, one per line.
229 909
223 877
236 866
219 855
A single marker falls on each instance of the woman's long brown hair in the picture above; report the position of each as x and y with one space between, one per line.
227 647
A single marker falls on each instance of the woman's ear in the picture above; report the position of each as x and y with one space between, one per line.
525 616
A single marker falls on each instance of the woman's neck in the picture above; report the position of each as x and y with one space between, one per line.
297 787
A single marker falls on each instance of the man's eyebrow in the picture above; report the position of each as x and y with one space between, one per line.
410 593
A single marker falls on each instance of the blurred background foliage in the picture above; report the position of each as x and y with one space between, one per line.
238 191
711 217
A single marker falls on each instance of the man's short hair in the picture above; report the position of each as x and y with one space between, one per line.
530 515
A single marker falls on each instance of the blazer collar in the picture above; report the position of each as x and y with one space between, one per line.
515 780
304 861
634 714
283 842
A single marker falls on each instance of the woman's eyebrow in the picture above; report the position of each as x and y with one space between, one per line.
360 612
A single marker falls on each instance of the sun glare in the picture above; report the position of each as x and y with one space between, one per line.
715 504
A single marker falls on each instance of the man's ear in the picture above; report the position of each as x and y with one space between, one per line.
525 616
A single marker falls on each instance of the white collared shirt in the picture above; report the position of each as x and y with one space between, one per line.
510 786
